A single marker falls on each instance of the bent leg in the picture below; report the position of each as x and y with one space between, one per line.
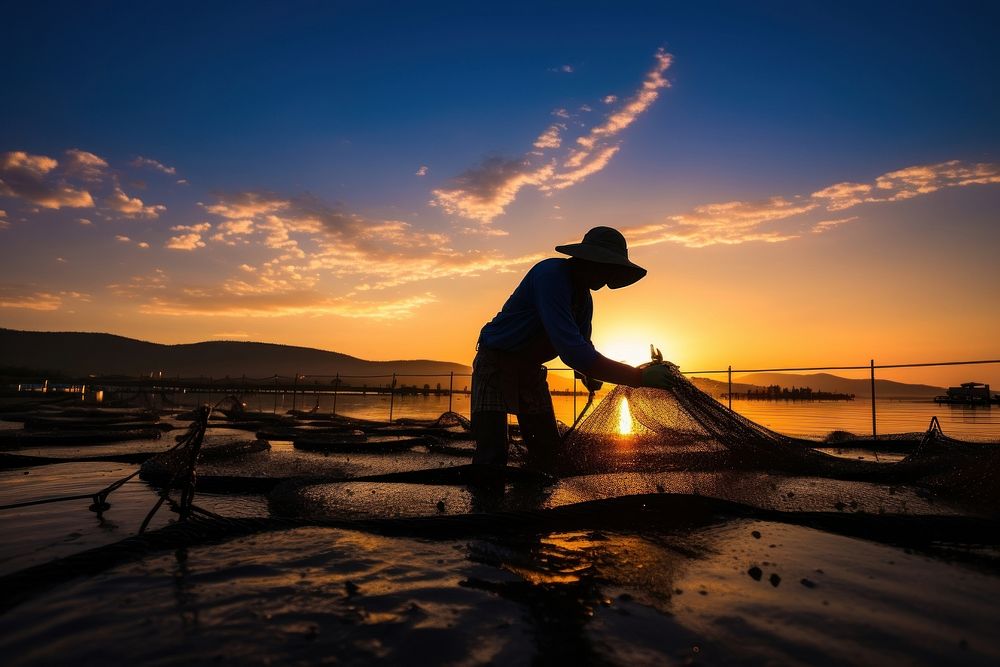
490 431
541 439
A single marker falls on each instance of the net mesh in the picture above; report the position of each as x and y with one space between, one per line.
637 429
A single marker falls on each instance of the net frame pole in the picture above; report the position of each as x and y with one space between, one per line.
392 395
574 396
730 394
336 385
295 389
451 388
874 429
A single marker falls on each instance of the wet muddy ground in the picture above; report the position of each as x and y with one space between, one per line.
727 590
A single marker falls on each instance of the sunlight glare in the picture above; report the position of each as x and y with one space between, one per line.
624 418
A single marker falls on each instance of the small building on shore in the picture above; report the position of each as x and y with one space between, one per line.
971 393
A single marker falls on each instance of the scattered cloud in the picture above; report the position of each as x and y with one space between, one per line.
562 69
422 171
482 193
30 177
139 285
142 244
314 240
132 207
149 163
610 99
738 222
229 335
84 165
191 239
84 221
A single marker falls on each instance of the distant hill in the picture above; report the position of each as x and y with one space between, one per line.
836 384
83 354
719 387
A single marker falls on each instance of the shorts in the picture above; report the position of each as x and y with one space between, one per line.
502 382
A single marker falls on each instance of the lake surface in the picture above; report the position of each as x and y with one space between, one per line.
811 419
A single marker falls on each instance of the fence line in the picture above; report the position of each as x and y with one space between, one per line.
230 383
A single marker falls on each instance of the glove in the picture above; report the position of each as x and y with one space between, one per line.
659 376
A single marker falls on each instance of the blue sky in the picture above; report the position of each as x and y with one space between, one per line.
323 113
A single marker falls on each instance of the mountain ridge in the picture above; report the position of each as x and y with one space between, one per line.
80 354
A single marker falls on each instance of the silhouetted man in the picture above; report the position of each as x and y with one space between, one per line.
549 314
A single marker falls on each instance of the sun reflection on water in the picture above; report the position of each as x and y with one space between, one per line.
624 418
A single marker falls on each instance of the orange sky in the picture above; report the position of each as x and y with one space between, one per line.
779 228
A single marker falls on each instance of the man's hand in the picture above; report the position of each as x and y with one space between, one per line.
591 384
659 376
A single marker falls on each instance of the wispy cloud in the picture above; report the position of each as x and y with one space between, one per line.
222 303
26 297
482 193
634 106
149 163
422 171
736 222
827 225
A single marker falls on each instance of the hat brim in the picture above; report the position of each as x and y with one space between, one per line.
625 272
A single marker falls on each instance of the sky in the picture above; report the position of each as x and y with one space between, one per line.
807 185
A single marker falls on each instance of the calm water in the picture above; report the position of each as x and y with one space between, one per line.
798 418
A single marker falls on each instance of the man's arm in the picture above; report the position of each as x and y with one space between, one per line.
553 298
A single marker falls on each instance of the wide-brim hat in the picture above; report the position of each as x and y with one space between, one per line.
605 245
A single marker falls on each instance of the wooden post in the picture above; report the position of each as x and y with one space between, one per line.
874 429
275 394
730 386
392 395
295 389
336 386
451 388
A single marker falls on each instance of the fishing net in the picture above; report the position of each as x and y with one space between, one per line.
643 429
642 458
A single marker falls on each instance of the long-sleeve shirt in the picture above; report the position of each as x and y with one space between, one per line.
548 315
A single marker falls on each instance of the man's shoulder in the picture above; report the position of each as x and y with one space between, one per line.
553 266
